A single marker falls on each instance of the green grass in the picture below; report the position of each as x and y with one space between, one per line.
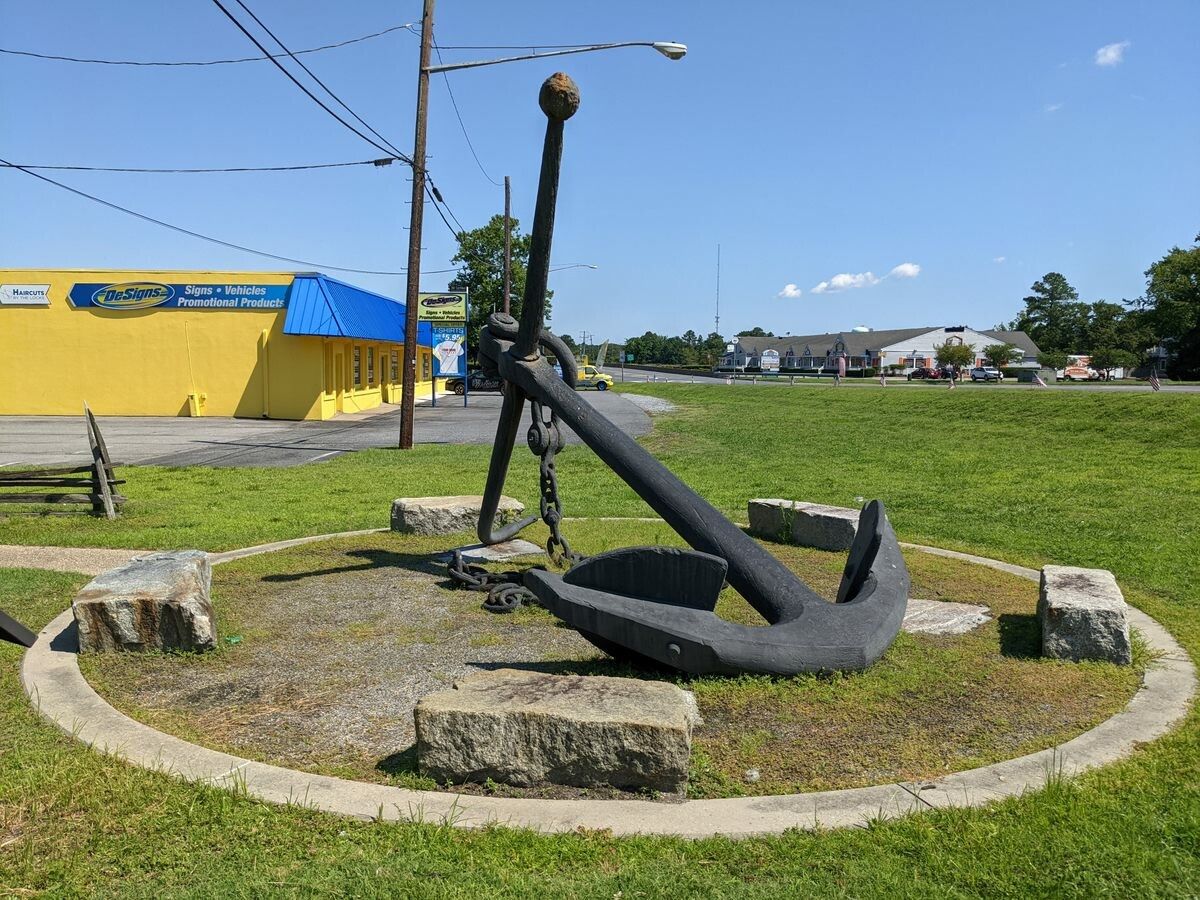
1087 478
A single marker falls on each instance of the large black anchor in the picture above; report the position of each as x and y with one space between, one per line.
657 603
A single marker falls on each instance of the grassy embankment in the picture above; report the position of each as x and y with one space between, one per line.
1089 479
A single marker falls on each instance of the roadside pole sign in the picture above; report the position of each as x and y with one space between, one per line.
447 313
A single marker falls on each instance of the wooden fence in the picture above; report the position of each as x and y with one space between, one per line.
94 484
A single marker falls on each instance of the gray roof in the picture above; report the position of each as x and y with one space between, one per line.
1018 339
859 342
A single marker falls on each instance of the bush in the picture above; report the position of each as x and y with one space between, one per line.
1011 372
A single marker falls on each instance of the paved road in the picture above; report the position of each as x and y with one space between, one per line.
165 441
634 376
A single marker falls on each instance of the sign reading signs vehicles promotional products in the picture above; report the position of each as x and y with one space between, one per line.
131 295
445 306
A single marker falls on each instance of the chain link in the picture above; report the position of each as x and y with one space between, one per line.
505 590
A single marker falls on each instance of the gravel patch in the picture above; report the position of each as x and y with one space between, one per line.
88 560
652 405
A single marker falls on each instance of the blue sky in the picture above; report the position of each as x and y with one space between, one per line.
974 146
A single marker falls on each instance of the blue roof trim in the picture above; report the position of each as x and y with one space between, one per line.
325 307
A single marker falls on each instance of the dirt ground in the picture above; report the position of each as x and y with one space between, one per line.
326 649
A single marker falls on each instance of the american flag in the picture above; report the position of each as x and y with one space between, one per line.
1037 380
1154 383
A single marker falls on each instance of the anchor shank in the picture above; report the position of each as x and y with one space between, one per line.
758 576
533 303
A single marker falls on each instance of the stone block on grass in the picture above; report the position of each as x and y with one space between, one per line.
1082 614
527 728
447 515
155 602
804 524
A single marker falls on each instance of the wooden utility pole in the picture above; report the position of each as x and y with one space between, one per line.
507 242
416 217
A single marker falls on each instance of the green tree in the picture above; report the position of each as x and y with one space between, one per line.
756 331
948 354
1105 359
1172 308
1053 359
1053 315
1000 355
481 252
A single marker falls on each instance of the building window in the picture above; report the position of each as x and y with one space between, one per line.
395 366
370 365
358 366
329 370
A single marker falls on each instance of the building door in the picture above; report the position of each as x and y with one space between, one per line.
339 375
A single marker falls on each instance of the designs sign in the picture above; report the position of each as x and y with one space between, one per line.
446 306
24 295
131 295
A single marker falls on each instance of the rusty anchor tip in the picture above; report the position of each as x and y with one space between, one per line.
559 97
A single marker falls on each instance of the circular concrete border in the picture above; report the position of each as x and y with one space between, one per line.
56 687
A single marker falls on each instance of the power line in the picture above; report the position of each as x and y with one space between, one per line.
190 233
208 62
313 76
385 161
461 123
310 94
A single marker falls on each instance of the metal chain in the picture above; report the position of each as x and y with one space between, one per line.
506 591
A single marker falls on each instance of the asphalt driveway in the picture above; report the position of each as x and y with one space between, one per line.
167 441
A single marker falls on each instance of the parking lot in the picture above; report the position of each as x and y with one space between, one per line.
162 441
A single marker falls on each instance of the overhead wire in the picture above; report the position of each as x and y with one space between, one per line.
188 231
314 77
207 62
461 123
385 161
388 149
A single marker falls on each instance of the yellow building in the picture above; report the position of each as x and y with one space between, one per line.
274 345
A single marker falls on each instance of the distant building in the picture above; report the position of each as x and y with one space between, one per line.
906 348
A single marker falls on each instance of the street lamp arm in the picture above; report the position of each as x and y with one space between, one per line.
666 48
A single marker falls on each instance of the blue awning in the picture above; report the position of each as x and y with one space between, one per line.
325 307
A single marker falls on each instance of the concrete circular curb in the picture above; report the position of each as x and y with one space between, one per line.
51 677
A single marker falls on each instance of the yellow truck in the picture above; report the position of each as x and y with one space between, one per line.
590 377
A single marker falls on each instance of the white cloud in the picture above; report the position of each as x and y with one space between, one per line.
1112 54
790 291
845 281
905 270
1052 107
999 259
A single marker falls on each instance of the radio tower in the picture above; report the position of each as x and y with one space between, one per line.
717 322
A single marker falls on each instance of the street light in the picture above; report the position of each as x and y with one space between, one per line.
669 49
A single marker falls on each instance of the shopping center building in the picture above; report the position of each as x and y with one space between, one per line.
276 345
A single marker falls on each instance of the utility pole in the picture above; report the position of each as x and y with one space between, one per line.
507 242
416 216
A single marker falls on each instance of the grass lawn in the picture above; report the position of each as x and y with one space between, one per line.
1086 478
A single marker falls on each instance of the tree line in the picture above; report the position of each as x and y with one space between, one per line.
1121 334
1113 334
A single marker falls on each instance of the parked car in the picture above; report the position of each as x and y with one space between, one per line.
986 373
1077 373
476 381
590 376
924 372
